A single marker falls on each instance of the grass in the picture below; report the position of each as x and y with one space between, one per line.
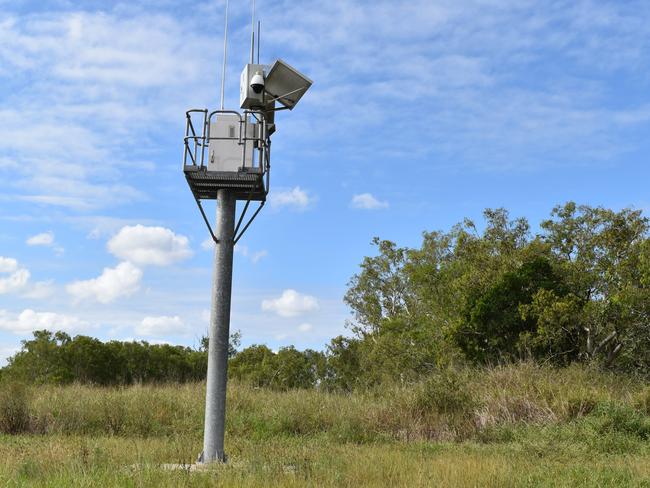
521 425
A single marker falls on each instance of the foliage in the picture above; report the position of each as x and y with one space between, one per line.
286 369
494 327
58 358
577 291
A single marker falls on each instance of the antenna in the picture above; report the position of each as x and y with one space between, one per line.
259 40
225 53
253 35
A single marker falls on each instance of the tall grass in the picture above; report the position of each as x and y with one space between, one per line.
521 425
449 406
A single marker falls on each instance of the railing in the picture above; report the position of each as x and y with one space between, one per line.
195 143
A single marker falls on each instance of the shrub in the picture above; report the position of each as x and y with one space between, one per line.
614 417
446 392
14 408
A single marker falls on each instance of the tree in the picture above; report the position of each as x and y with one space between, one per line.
343 371
39 360
602 255
494 328
381 290
255 365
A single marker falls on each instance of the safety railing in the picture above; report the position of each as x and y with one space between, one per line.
253 130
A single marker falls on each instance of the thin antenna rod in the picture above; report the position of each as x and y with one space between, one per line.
253 35
225 53
259 40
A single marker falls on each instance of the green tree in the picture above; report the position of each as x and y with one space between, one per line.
603 257
256 365
494 328
343 370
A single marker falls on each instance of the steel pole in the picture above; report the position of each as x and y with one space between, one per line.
215 397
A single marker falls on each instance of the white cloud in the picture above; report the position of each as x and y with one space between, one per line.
123 280
17 279
39 290
93 80
291 304
305 327
256 256
42 239
161 326
366 201
144 245
29 320
295 198
8 265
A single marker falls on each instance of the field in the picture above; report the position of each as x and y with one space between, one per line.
522 425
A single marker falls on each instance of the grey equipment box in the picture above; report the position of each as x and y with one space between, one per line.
227 151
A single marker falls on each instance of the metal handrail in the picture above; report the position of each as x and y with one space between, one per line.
198 140
259 138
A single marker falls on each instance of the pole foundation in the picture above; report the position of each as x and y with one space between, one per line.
215 397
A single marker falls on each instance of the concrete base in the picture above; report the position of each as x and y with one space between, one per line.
187 467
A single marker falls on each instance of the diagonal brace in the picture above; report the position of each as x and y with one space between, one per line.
207 222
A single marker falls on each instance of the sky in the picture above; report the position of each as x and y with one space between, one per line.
422 113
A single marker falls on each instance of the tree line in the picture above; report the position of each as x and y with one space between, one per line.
576 290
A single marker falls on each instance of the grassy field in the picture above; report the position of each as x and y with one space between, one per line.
513 426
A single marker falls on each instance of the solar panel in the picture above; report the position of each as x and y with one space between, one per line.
285 84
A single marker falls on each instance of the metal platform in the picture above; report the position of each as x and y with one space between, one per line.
248 184
228 151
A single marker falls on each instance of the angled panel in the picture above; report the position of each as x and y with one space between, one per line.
286 84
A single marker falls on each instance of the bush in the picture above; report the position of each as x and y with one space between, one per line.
14 408
623 419
446 392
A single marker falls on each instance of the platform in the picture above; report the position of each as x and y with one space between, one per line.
247 185
226 150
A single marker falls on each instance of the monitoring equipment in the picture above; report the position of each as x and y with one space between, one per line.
260 85
227 157
251 95
257 82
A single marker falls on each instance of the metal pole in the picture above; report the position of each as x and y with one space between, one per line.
215 398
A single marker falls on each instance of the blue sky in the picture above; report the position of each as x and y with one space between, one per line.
421 113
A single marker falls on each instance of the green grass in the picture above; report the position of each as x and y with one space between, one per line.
512 426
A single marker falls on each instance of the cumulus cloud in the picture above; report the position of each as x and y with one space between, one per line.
291 304
39 290
305 327
367 201
143 245
12 277
295 198
29 320
113 283
161 326
42 239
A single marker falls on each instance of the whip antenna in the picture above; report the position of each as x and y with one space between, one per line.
225 53
253 35
259 40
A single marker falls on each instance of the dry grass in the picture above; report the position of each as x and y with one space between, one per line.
521 425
